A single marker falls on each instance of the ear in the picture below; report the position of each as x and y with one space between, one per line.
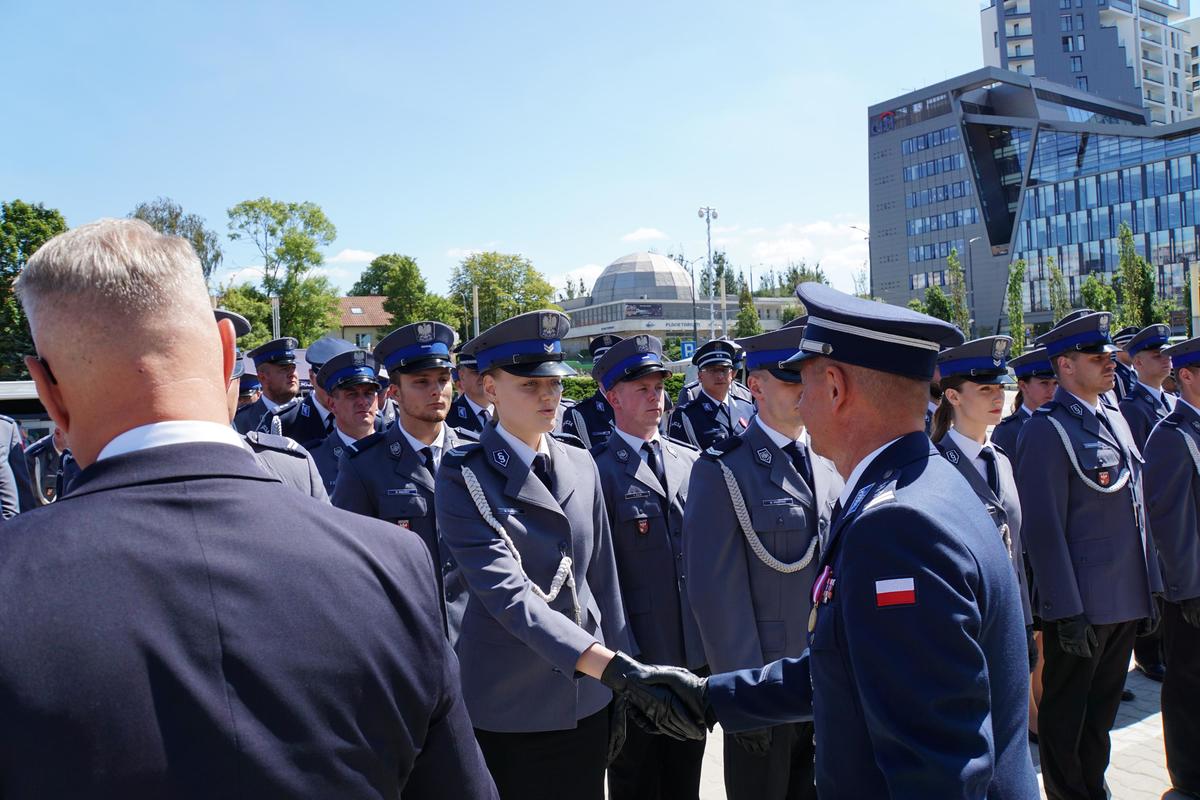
489 388
49 393
228 346
836 377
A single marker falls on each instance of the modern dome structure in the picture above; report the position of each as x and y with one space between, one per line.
642 276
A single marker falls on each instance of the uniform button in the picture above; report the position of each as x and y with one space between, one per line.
563 545
449 595
556 669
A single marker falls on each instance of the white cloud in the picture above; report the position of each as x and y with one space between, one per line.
644 235
841 250
461 252
351 256
251 273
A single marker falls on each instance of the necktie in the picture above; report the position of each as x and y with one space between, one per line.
655 463
484 417
837 512
329 424
799 461
988 457
427 458
1163 399
541 468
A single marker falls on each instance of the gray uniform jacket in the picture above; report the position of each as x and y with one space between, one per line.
1005 434
1173 500
16 493
1143 410
381 476
749 613
518 651
247 417
41 461
326 454
1089 548
647 533
284 459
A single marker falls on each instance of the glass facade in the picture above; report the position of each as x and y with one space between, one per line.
1082 186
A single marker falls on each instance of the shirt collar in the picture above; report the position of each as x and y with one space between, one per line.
728 398
346 438
635 442
851 482
438 443
969 447
268 402
522 450
321 409
1028 411
1155 393
476 408
178 431
775 436
1095 409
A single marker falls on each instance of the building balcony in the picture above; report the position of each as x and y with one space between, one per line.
1148 55
1019 33
1151 96
1178 9
1152 79
1020 51
1151 37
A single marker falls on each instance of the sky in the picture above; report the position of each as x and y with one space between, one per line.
571 133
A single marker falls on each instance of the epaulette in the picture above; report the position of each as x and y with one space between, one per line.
288 406
366 443
600 448
1047 408
567 438
39 445
723 446
567 402
465 433
456 456
1010 418
1170 423
281 444
681 443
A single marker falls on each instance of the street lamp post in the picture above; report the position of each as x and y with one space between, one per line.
971 279
870 266
691 265
708 215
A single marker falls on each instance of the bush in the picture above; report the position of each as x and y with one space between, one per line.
582 387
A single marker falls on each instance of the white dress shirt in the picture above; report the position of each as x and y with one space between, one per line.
477 409
775 436
971 449
179 431
636 442
437 446
520 449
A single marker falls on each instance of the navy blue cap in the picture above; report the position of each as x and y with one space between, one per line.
979 360
529 345
348 368
1084 334
599 345
1078 313
461 359
412 348
1184 354
248 384
1032 364
868 334
1122 337
241 325
717 351
628 360
276 351
324 349
1152 337
766 350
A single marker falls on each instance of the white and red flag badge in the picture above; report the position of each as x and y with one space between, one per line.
895 592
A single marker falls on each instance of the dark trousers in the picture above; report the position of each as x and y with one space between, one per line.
1148 649
1181 700
1079 705
785 773
654 767
549 765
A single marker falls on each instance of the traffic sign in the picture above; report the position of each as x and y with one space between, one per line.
686 348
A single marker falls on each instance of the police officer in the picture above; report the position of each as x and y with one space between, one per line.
644 479
592 419
915 675
1145 402
308 418
1093 562
471 410
351 381
973 377
390 475
760 505
523 514
691 390
387 413
275 365
249 389
42 459
1126 376
1035 386
16 493
715 413
278 456
1173 502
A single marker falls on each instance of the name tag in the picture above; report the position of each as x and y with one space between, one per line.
635 493
512 512
401 492
781 501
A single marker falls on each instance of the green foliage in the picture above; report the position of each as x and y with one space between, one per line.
1016 306
784 282
443 309
508 285
748 323
918 305
374 279
789 313
253 304
1134 284
403 288
937 304
167 217
581 387
960 313
24 227
1060 298
1097 295
308 308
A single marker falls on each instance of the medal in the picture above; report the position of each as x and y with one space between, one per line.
643 526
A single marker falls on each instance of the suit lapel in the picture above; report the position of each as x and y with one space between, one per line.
519 480
638 469
1087 417
672 468
965 468
405 460
782 470
564 479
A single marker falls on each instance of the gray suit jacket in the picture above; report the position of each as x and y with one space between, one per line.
518 652
16 493
286 460
1173 501
749 613
1090 551
647 532
326 454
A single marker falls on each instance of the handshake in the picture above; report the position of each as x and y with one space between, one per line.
666 700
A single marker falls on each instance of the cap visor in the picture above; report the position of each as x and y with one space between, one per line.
1099 348
643 371
1002 379
541 369
785 375
357 381
435 362
793 364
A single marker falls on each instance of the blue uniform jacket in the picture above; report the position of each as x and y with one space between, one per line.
647 524
462 416
1089 549
1173 501
1142 411
519 652
690 391
289 462
914 700
703 422
326 454
748 612
1005 434
591 420
1126 380
16 492
194 658
298 418
247 417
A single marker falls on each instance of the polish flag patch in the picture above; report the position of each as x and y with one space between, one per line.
895 592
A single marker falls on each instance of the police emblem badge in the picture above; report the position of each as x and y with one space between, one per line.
1103 324
1104 478
360 358
500 457
622 455
549 326
424 332
395 448
764 455
1077 409
643 344
952 456
462 412
999 351
643 526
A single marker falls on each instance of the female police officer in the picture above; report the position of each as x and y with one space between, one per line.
523 514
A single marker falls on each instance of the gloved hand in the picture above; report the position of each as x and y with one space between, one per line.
756 743
1032 644
1147 626
1076 636
616 728
1190 610
672 699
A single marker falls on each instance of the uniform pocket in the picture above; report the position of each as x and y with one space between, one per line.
770 519
403 506
637 518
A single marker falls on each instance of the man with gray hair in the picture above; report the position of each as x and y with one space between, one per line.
153 647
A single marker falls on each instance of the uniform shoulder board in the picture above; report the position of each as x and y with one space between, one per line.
1048 407
456 456
469 435
288 406
723 446
567 402
683 444
1171 421
1010 418
281 444
567 438
366 443
597 449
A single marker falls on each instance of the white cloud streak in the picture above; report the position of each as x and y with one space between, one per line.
644 235
351 256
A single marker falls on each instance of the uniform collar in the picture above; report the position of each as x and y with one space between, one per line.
522 450
1150 390
1025 409
777 438
321 409
437 445
1095 409
268 402
180 431
475 407
635 442
1195 410
728 398
968 446
848 489
346 438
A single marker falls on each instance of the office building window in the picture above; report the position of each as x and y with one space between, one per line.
1081 83
1079 42
1068 44
1064 3
1177 61
1079 22
1076 64
995 38
1175 79
1065 22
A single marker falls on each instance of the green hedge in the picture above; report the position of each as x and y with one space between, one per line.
581 388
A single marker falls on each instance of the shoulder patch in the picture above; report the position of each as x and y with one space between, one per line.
567 438
465 433
1047 408
456 456
723 446
366 443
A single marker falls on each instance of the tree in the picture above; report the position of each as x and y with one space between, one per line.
1135 298
403 288
918 305
508 285
24 227
1016 306
288 237
253 304
373 280
1097 295
862 283
960 313
443 309
789 313
747 319
1060 298
937 304
167 217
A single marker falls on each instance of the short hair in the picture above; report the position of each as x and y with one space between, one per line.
886 390
120 267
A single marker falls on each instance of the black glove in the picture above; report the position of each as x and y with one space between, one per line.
756 743
1076 636
1032 643
616 728
1147 626
1190 610
672 699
